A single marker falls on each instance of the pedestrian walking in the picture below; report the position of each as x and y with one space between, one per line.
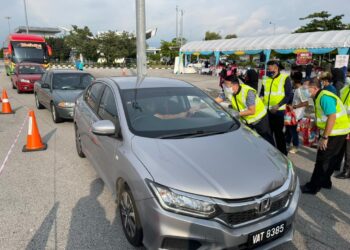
332 120
276 93
299 103
250 107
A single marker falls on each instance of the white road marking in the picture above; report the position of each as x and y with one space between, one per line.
12 146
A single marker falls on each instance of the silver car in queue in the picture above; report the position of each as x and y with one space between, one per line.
57 91
185 173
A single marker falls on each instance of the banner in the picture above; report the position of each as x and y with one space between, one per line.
341 61
304 58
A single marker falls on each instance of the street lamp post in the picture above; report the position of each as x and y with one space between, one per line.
141 40
8 22
25 11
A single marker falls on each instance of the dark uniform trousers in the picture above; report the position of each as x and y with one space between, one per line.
326 161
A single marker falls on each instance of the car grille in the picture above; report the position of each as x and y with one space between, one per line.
252 214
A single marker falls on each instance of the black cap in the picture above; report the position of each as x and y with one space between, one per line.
232 78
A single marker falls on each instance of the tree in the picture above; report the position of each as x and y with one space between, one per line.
169 50
114 46
82 41
212 36
60 49
229 36
322 21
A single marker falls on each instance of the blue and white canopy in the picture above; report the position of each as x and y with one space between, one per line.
315 42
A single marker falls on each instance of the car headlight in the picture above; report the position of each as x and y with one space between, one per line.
293 181
183 203
24 80
66 104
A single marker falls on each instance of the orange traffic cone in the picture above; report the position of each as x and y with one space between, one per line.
6 107
34 142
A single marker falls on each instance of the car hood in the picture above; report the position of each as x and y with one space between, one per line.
66 95
234 165
31 77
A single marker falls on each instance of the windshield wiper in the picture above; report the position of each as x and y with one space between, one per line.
197 133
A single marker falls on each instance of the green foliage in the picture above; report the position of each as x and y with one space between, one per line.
2 53
322 21
212 36
169 49
60 49
229 36
113 46
81 40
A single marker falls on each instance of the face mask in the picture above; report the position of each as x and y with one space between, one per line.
270 73
305 92
228 90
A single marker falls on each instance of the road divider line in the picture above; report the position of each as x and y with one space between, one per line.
12 146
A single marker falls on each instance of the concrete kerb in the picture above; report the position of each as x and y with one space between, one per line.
59 66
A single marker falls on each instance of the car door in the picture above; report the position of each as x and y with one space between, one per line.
106 148
88 116
38 88
46 92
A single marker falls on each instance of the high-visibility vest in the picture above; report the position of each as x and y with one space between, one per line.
239 104
345 98
342 124
274 91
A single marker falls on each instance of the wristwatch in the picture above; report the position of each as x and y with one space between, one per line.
324 137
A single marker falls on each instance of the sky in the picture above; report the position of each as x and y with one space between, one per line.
241 17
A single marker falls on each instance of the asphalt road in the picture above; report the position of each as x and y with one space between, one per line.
54 200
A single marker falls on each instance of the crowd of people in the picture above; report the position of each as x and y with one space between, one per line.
283 96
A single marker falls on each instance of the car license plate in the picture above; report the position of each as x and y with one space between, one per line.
267 234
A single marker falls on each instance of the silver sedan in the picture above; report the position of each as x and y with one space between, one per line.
185 173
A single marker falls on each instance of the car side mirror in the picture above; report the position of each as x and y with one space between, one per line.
45 86
103 127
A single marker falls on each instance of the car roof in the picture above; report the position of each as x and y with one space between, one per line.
29 64
69 71
148 82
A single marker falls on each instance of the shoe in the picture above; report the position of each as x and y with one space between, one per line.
293 150
343 175
305 189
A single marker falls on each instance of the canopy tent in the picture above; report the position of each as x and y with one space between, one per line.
314 42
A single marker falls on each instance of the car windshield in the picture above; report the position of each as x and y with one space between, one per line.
71 81
29 52
174 113
30 69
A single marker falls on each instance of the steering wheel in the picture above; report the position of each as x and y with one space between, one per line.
139 117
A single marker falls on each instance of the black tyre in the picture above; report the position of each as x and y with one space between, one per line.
37 102
13 85
130 218
55 116
78 142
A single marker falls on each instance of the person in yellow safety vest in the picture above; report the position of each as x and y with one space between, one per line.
345 98
276 93
250 107
334 125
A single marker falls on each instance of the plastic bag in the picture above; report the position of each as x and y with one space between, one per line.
290 117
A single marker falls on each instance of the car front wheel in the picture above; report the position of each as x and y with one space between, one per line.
37 102
78 142
55 116
130 218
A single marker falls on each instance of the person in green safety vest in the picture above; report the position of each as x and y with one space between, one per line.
251 109
345 98
276 93
334 125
